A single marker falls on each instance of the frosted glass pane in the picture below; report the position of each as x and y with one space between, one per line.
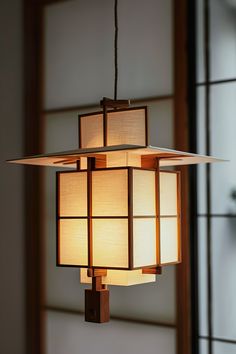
224 278
144 193
79 51
110 193
73 238
225 348
201 120
223 127
200 40
91 130
126 127
120 277
168 193
223 39
203 346
144 242
65 333
202 277
169 240
202 189
73 194
110 242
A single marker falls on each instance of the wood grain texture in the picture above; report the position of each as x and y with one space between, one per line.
33 135
97 305
183 301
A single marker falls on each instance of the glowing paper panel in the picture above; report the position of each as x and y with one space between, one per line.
127 127
73 194
169 240
168 193
123 158
110 242
110 193
120 277
91 131
144 193
73 249
144 241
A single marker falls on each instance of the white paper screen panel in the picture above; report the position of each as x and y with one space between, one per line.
127 127
168 194
110 243
120 277
144 193
91 128
110 193
169 240
73 249
144 241
73 194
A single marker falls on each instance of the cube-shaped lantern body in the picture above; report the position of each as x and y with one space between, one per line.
123 126
123 218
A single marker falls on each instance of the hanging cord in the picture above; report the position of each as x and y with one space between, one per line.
116 48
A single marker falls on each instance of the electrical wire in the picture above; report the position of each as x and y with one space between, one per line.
116 48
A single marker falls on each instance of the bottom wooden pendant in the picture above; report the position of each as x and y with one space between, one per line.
97 302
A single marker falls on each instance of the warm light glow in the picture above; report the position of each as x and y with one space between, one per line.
73 244
91 131
113 229
110 193
123 158
169 240
110 243
120 277
144 242
126 127
144 193
73 194
168 193
169 218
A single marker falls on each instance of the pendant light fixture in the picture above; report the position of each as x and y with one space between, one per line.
118 211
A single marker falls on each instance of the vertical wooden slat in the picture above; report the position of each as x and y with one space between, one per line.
179 216
90 167
158 234
130 218
58 218
34 260
104 125
181 143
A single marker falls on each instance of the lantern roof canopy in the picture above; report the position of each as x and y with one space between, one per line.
68 159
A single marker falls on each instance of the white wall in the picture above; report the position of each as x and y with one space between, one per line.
70 334
11 186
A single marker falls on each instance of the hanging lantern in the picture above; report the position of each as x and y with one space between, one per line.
118 210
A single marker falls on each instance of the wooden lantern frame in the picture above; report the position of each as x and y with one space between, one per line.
130 217
106 115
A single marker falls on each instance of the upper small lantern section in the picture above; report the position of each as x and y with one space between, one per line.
120 127
115 136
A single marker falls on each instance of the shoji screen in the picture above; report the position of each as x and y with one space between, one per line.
216 108
78 69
